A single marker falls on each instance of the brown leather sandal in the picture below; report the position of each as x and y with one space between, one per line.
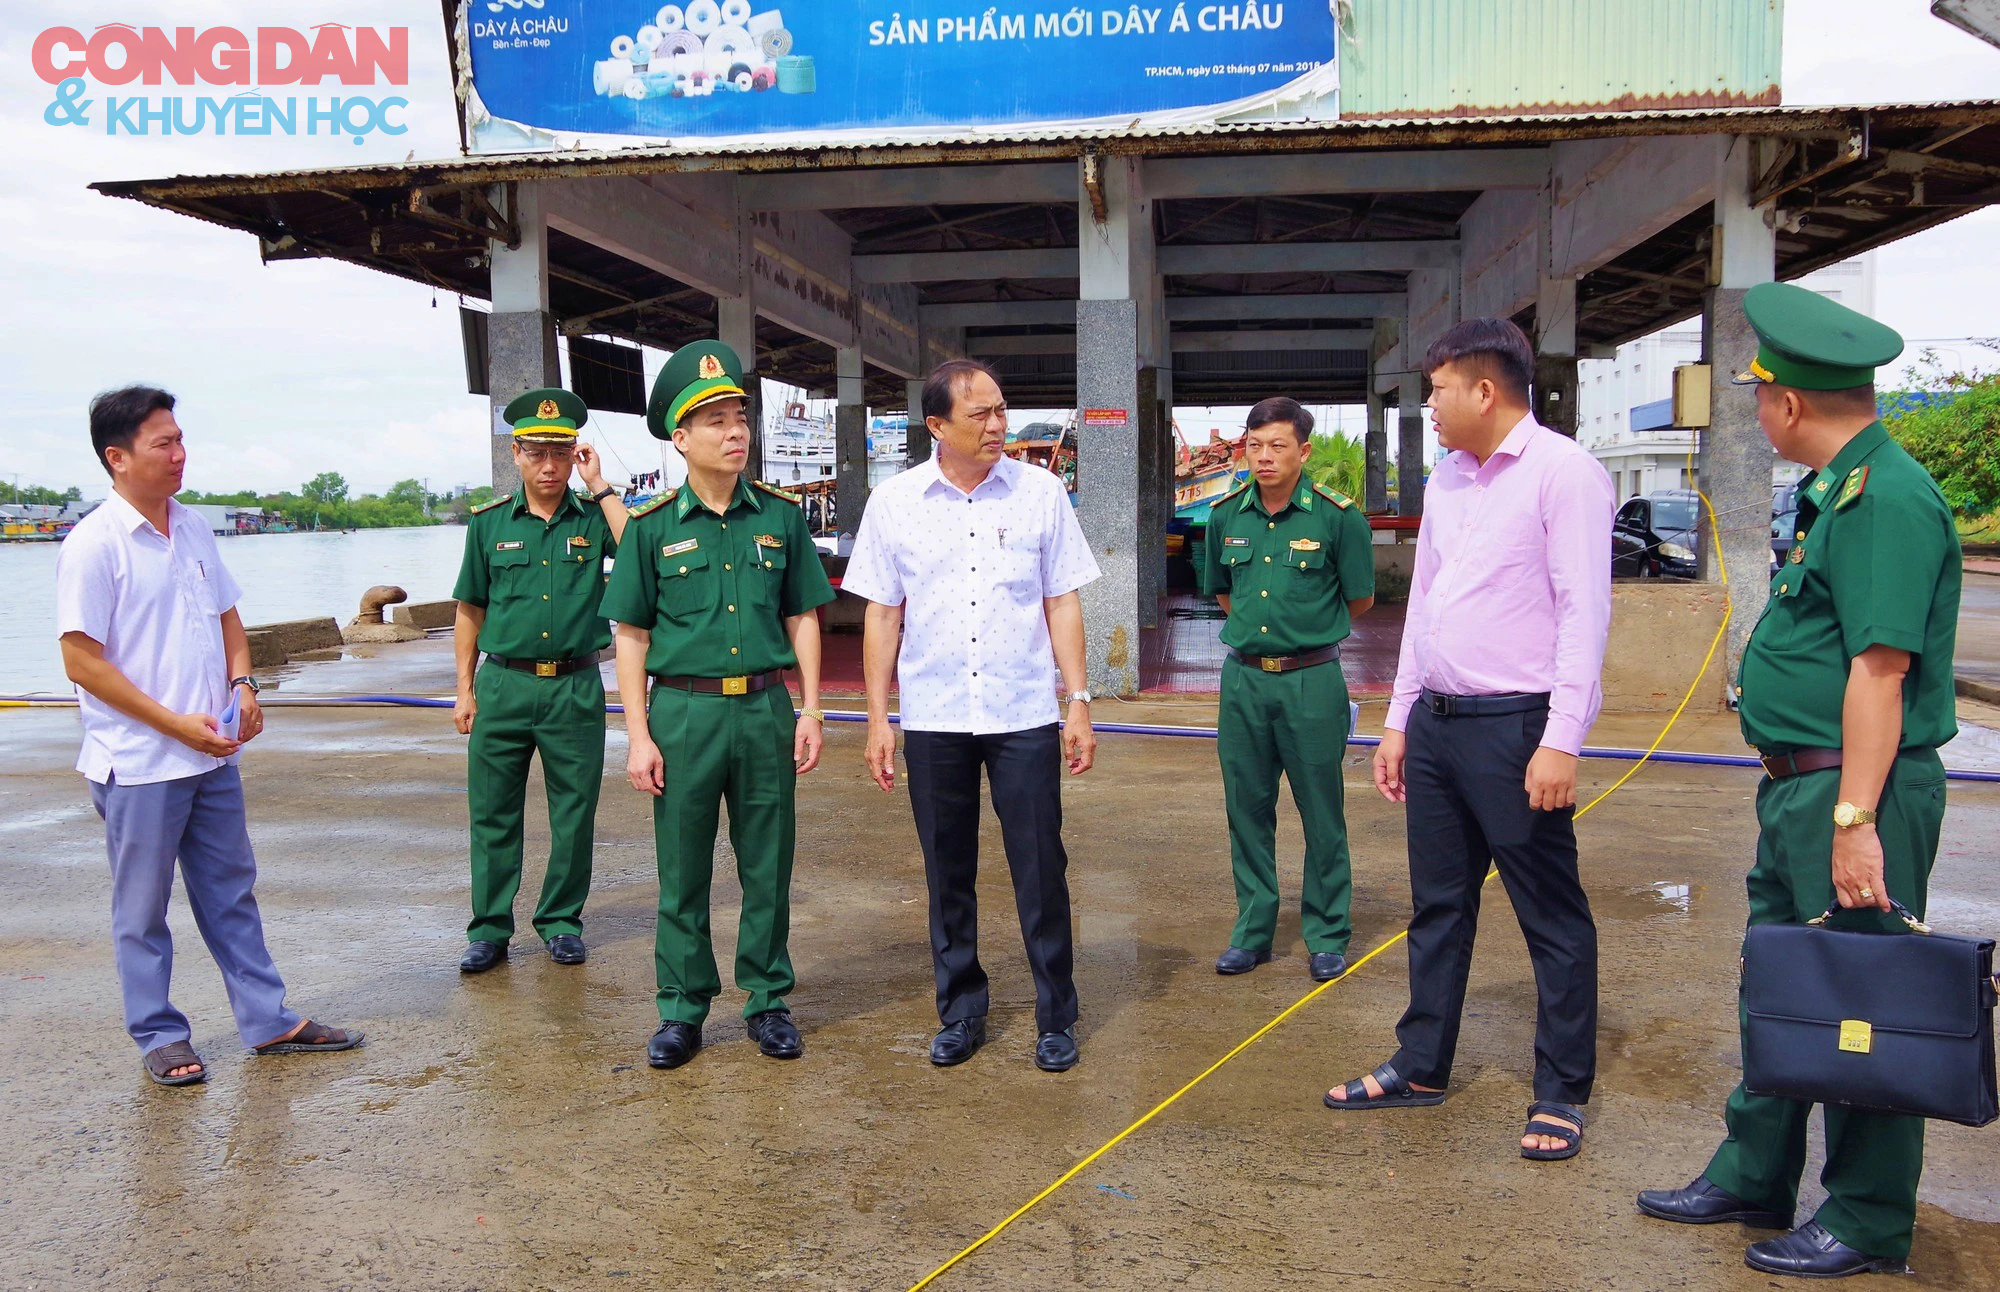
313 1038
175 1054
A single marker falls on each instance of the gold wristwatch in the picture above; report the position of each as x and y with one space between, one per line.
1846 815
817 715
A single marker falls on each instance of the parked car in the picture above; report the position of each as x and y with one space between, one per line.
1784 522
1654 536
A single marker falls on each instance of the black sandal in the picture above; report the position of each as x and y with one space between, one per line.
1396 1093
312 1038
175 1054
1541 1121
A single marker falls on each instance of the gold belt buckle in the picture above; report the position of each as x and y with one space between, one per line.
736 686
545 668
1272 664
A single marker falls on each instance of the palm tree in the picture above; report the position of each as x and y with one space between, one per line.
1339 463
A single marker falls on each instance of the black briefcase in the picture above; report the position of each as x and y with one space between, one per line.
1891 1024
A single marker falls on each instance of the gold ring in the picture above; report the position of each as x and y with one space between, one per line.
1868 892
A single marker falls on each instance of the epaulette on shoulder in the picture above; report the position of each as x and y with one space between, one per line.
1237 492
776 492
489 506
1857 480
655 503
1333 496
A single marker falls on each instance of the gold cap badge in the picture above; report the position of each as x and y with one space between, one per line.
710 367
547 408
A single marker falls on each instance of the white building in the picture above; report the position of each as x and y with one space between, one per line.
1625 405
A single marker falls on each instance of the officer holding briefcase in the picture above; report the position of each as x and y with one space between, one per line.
1846 689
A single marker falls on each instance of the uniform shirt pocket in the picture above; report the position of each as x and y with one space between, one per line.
687 583
510 568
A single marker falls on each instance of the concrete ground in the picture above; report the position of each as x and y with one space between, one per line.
504 1132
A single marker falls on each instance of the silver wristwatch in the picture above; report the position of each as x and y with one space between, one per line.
1074 696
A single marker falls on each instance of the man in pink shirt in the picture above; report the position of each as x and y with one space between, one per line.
1498 684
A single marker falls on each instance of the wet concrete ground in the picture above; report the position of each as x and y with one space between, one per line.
505 1132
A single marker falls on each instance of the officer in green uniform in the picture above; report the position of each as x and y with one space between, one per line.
528 594
1846 689
713 596
1292 563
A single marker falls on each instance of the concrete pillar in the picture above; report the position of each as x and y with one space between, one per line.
1555 355
1151 435
1375 439
521 352
736 327
919 438
850 439
1119 329
1735 458
1410 445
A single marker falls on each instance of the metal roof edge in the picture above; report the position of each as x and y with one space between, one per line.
1028 145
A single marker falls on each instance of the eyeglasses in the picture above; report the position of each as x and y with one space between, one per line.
547 455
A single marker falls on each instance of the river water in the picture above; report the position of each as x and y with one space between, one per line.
284 576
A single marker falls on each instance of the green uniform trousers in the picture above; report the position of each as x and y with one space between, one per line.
519 715
735 749
1295 723
1872 1159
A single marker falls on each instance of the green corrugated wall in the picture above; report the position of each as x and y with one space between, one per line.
1431 58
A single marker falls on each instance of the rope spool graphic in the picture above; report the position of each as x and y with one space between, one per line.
678 44
621 47
703 17
735 13
776 43
728 47
670 18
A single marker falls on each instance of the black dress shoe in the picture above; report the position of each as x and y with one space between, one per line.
776 1035
1236 960
567 949
958 1041
1810 1252
1702 1203
673 1045
481 956
1328 965
1056 1051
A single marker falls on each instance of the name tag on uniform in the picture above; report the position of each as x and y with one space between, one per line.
766 540
1235 542
685 545
514 546
1305 545
579 541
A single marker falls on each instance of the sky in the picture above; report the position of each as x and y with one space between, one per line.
294 368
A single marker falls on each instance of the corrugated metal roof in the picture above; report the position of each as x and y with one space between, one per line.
1460 58
778 152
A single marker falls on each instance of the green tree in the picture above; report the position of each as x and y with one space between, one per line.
1950 422
1338 462
407 491
38 495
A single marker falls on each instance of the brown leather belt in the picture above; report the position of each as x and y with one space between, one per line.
547 667
723 685
1799 762
1285 663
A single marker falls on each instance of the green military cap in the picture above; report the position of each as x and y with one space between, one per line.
1808 341
547 416
698 373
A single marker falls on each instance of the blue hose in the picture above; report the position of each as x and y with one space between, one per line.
1109 728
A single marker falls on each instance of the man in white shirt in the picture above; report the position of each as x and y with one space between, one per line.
152 640
975 559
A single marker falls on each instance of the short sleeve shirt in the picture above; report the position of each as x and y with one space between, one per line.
541 582
715 590
1876 563
1289 575
972 571
155 603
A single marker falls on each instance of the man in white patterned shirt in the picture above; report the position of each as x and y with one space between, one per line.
976 560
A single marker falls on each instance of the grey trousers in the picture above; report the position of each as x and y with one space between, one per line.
200 821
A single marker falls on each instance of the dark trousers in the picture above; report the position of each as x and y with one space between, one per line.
1024 769
1467 808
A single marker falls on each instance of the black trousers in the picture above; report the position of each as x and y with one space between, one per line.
1467 807
1024 769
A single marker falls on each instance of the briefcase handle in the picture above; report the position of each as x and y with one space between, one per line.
1916 925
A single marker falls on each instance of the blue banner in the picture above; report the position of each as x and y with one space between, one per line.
714 68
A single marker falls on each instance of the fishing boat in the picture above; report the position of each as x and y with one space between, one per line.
1205 472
